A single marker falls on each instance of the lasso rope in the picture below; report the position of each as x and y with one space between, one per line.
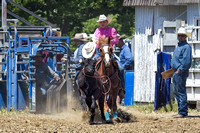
100 77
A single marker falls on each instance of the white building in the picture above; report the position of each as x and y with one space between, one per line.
156 23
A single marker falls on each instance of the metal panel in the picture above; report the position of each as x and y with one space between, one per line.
170 29
2 94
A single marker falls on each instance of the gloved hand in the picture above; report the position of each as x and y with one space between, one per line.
43 91
57 78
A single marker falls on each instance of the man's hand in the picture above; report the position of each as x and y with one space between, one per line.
177 72
57 78
97 42
63 59
24 78
80 61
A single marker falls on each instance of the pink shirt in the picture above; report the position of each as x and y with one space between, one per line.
107 32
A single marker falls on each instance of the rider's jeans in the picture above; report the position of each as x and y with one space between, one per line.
119 65
121 73
76 76
179 89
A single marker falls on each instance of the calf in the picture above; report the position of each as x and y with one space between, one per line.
90 88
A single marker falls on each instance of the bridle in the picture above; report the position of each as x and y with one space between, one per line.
104 52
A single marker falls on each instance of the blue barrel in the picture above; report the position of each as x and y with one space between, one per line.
129 85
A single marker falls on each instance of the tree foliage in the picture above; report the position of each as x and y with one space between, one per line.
74 16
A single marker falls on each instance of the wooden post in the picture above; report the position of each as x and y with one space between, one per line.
198 105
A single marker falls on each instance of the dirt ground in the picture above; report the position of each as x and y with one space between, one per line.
74 122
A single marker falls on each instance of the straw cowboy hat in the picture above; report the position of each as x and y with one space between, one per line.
182 31
104 18
58 33
80 37
88 49
120 36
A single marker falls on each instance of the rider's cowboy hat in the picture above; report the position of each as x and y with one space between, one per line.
104 18
58 33
182 31
80 37
88 49
120 36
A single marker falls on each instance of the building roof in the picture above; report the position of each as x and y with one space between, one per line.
187 1
157 2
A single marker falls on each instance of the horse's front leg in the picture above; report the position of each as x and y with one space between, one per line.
101 107
92 110
114 105
106 108
83 100
93 103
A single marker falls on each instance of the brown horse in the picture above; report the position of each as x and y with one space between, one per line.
107 67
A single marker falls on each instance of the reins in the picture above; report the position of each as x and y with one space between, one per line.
100 77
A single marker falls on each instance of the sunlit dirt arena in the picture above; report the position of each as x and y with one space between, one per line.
75 121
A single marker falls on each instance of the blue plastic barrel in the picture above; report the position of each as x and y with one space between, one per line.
129 87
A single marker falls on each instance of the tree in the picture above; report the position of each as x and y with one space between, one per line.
74 16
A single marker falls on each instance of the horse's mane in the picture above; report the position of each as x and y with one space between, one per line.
103 40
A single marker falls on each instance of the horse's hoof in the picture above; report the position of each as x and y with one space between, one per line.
91 122
117 120
103 121
109 121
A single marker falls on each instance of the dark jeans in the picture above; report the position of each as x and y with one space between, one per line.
40 101
76 76
121 73
179 89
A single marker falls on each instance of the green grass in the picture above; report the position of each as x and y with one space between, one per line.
4 111
149 108
142 107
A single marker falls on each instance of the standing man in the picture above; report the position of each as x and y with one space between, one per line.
43 75
80 39
181 62
125 62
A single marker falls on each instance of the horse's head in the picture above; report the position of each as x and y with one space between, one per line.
89 66
105 50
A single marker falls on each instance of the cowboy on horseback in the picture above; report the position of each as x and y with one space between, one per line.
108 36
105 31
